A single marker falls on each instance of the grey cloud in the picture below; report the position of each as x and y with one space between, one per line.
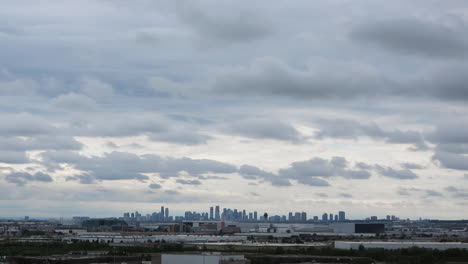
343 128
17 87
346 195
155 126
451 142
75 102
22 178
24 124
363 166
172 192
84 178
451 189
463 195
411 166
252 172
424 192
40 142
122 165
180 136
433 193
448 83
345 81
322 195
111 144
211 177
318 167
9 30
311 172
188 182
311 168
457 192
452 132
126 125
217 23
452 148
25 132
404 174
357 174
451 160
96 88
269 76
313 181
148 38
155 186
264 129
415 37
14 157
190 119
403 192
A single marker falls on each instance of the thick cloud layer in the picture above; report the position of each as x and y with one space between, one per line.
124 166
263 105
22 178
415 37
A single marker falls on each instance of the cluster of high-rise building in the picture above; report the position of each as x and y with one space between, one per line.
239 215
340 217
297 217
161 216
227 214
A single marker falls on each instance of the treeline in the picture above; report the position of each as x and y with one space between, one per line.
58 248
401 256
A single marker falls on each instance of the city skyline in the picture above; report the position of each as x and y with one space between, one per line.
302 106
226 214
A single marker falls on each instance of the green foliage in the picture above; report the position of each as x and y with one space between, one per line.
27 232
402 256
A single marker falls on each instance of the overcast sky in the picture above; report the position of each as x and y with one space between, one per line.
109 106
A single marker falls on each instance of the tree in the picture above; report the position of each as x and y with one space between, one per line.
361 247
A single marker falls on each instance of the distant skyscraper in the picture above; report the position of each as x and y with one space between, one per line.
341 216
162 212
217 217
255 216
297 217
336 218
303 216
290 217
330 217
325 217
211 213
166 214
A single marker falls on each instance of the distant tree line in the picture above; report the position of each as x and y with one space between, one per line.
403 256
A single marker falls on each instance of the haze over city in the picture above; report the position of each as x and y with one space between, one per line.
271 106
